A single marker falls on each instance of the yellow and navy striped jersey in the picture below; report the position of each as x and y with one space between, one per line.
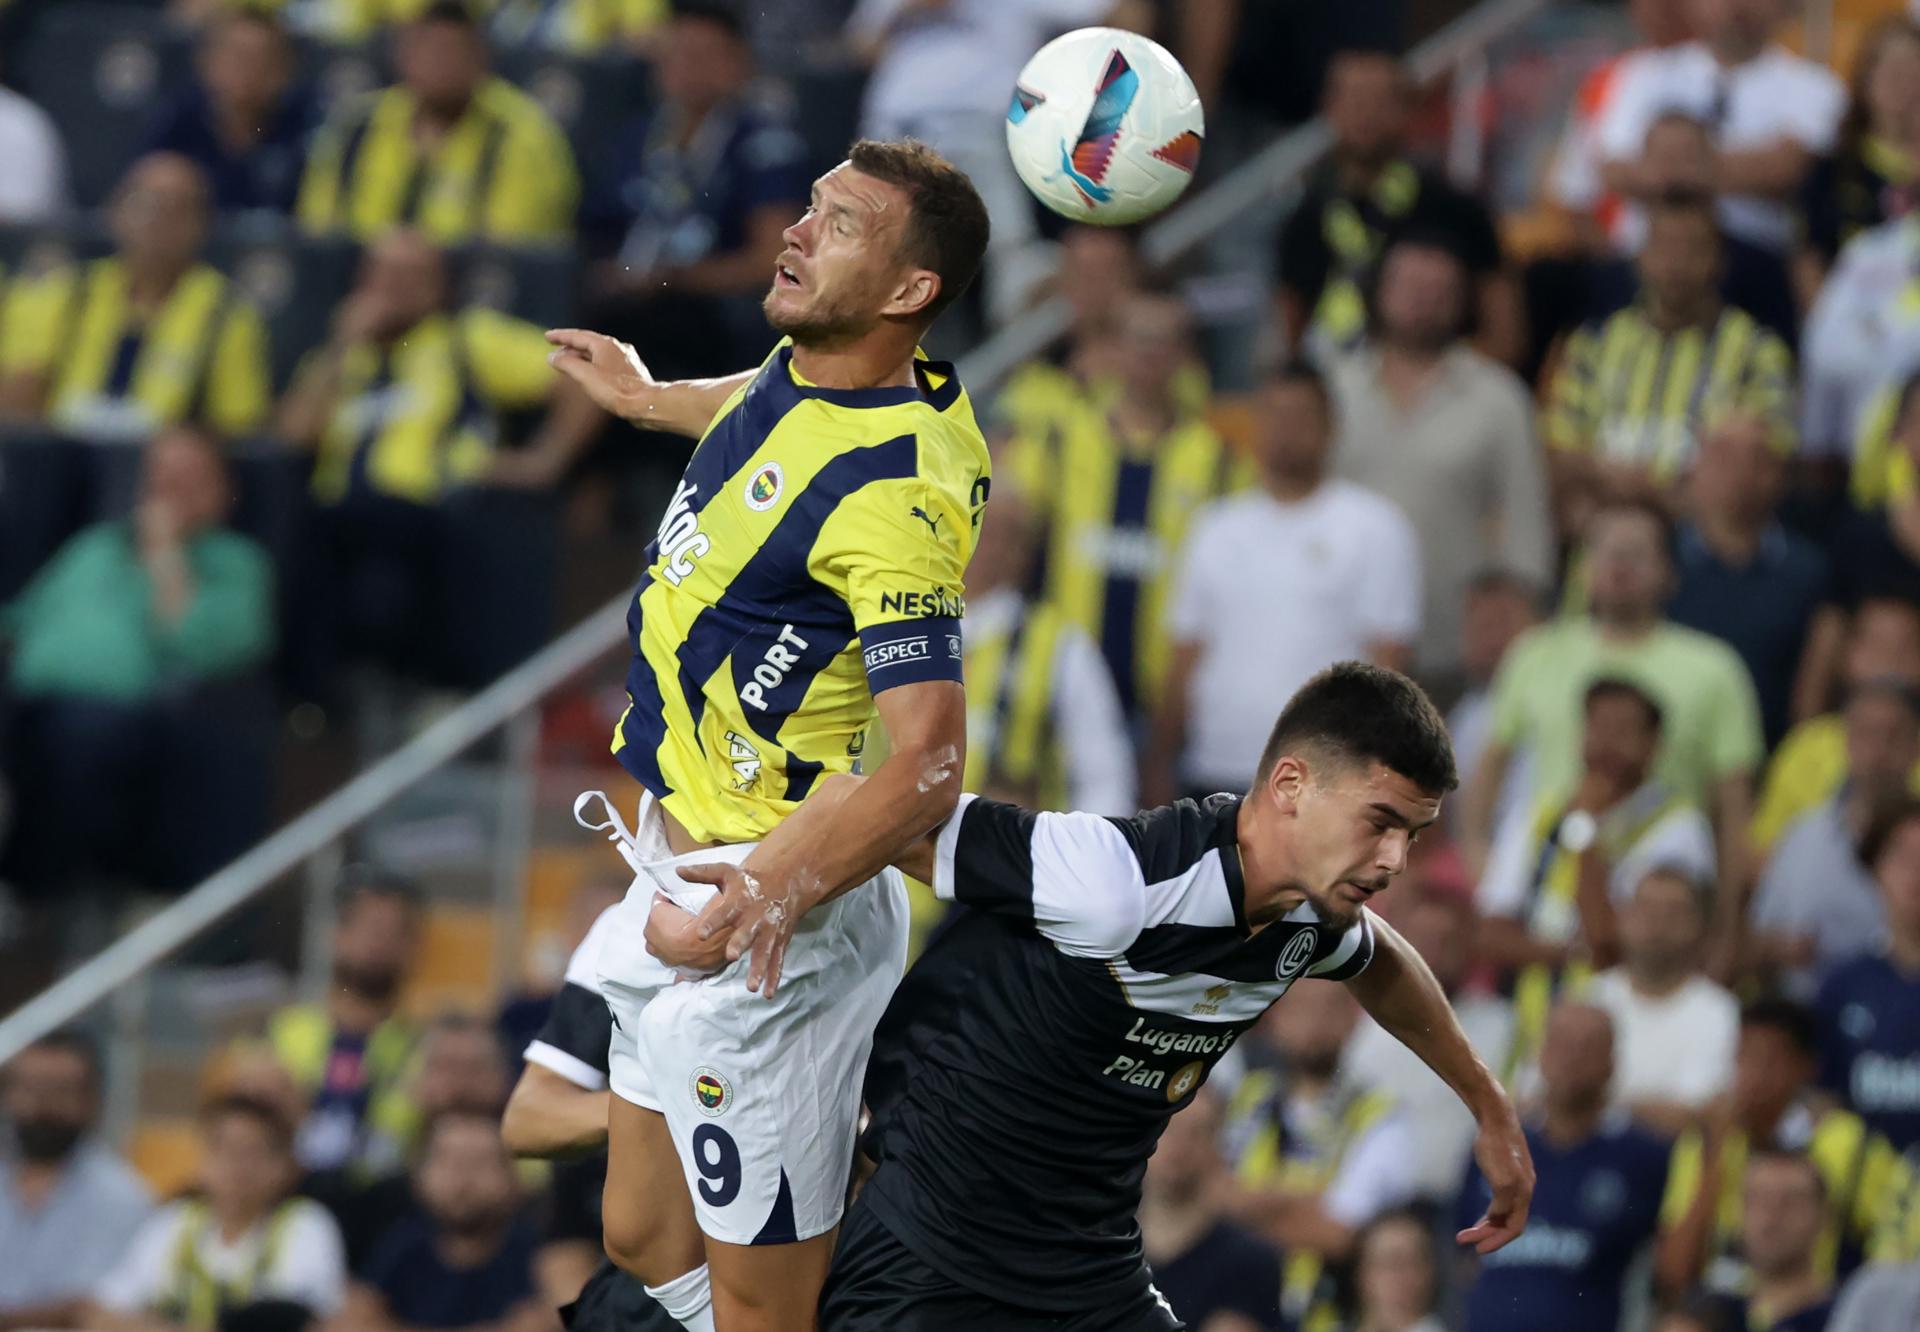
504 173
571 25
336 20
812 557
1272 1152
1630 393
421 415
1040 395
576 25
1863 1175
1012 747
1807 770
201 357
1116 513
1882 470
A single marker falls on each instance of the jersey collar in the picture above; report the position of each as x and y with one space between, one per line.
1225 838
938 386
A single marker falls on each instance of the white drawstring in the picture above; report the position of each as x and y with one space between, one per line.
642 858
613 826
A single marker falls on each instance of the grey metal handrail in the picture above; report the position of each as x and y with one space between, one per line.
1274 168
1246 188
231 888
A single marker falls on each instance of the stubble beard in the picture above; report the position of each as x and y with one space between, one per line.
822 325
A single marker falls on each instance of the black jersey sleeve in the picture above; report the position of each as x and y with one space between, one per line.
1073 877
573 1043
1347 953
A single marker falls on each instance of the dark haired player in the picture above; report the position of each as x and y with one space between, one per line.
807 574
1028 1062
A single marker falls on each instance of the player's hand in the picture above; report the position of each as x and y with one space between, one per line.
761 912
1501 1149
609 370
673 935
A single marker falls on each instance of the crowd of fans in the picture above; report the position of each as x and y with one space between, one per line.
1636 501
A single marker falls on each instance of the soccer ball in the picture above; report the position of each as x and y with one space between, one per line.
1104 127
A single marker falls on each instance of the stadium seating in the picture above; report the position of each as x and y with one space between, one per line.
43 500
101 71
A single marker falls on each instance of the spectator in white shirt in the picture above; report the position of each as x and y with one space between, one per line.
245 1239
1047 734
33 188
1772 113
68 1205
1446 434
1573 179
1862 335
1275 585
1817 904
1674 1029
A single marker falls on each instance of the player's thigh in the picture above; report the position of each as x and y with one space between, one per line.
645 1212
768 1287
763 1096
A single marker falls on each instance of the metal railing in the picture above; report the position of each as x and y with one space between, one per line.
312 840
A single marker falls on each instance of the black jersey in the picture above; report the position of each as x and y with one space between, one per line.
1029 1061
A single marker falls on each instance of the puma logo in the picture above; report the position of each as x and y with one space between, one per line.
933 522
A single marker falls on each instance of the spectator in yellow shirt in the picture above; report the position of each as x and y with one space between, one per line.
450 149
1811 762
150 336
564 25
405 408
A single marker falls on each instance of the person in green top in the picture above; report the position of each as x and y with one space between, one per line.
107 653
1712 742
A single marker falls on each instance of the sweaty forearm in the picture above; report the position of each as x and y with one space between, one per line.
1401 994
681 406
841 838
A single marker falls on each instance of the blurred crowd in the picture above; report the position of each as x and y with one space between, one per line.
1629 483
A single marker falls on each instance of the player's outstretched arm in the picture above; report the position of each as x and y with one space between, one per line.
619 382
548 1116
808 861
1402 995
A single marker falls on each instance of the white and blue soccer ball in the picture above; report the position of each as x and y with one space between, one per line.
1104 126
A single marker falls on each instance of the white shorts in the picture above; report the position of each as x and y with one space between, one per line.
762 1096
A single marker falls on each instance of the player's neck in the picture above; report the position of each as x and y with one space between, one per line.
870 362
1267 890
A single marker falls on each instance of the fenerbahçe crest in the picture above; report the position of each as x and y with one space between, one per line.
711 1091
763 487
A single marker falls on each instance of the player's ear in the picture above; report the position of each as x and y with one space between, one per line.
915 293
1285 782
